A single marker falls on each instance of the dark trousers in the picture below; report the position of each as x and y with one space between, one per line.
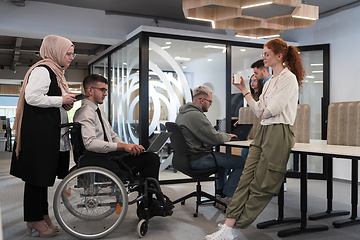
63 164
35 203
147 164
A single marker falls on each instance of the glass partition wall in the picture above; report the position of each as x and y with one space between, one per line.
124 107
101 67
151 75
315 92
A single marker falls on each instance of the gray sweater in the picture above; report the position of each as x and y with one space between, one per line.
199 134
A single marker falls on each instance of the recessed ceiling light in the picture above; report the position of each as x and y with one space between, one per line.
168 43
256 5
209 60
166 47
243 50
182 58
270 36
183 67
214 46
244 36
316 64
201 19
317 71
307 18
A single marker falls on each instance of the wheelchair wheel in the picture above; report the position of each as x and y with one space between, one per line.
142 228
90 203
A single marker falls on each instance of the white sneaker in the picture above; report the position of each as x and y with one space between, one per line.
224 233
219 226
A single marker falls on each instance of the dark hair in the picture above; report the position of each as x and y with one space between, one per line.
260 86
291 57
259 64
92 79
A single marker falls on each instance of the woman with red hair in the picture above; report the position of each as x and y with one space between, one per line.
265 165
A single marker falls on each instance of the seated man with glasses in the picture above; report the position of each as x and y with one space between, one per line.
201 137
98 135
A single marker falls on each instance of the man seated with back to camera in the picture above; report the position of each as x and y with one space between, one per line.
95 140
201 137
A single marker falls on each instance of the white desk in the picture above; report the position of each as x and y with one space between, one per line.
330 151
317 148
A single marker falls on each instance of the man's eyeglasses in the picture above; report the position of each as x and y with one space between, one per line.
210 101
71 55
253 80
104 90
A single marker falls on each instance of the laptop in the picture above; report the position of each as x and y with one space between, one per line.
159 142
241 131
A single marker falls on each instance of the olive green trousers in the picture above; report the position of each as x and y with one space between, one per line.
263 174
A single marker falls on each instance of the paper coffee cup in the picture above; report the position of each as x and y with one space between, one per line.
237 78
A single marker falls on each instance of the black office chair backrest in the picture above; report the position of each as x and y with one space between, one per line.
181 158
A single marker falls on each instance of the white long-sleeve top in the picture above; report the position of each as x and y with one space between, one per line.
35 95
278 101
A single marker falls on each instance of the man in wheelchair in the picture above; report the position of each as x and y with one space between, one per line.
98 136
103 147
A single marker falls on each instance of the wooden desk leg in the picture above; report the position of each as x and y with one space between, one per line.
354 198
303 228
329 212
280 220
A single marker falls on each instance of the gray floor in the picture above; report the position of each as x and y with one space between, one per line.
182 225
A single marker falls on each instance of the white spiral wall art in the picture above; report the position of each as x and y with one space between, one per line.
125 84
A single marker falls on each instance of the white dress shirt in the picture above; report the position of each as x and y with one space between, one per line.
92 131
35 95
278 101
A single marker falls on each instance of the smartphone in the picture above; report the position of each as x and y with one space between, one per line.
80 97
237 78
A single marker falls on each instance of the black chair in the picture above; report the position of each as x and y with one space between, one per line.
181 162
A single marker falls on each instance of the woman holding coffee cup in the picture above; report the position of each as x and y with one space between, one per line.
265 165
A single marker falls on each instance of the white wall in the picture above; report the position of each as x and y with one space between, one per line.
342 31
211 74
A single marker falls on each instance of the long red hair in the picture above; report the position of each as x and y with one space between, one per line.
291 57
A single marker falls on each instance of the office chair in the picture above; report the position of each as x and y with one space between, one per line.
181 162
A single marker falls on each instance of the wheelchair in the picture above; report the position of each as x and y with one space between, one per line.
91 202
